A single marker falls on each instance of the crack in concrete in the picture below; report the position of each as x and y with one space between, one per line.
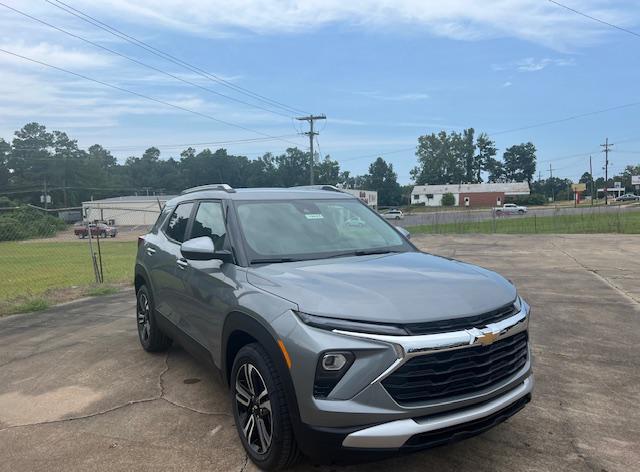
246 462
620 290
159 397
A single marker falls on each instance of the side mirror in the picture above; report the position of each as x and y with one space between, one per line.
203 249
403 232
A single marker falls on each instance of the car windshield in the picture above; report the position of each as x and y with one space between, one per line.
281 231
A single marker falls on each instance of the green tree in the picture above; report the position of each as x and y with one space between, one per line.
384 180
486 151
327 171
587 179
520 162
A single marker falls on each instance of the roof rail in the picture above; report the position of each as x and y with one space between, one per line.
224 187
329 188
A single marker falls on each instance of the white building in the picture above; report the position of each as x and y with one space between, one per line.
370 197
470 195
133 210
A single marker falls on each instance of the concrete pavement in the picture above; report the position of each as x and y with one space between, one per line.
77 392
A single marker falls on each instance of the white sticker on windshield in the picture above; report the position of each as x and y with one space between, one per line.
314 216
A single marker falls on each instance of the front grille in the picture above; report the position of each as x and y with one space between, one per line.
457 324
457 372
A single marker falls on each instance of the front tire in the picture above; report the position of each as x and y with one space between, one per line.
151 338
260 410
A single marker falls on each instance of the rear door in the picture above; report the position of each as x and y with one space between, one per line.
210 285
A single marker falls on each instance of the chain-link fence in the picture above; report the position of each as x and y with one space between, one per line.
557 219
44 259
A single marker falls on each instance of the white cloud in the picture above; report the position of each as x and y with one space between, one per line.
507 84
530 64
54 54
399 97
531 20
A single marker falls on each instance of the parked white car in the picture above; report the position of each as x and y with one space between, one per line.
393 215
510 209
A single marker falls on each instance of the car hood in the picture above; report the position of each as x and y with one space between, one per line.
392 288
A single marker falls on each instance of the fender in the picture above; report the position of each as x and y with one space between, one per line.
141 271
241 322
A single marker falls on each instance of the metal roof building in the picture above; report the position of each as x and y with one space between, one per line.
130 210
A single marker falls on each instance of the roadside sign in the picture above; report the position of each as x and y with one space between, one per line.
579 187
635 180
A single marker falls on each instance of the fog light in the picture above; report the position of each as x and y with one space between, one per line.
331 367
333 361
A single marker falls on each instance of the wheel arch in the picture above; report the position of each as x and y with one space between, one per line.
241 329
141 277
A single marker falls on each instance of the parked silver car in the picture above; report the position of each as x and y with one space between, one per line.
332 337
393 215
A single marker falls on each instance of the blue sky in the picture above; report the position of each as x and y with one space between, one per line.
384 72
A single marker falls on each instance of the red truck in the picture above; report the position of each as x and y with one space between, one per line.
97 229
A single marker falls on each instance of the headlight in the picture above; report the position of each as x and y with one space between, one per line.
518 304
324 322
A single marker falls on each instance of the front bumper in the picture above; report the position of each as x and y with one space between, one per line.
395 434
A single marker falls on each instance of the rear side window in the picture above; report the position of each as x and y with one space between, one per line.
161 218
177 226
209 221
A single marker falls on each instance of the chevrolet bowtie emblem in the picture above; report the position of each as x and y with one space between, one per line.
487 338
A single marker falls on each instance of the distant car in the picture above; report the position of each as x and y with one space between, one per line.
510 209
627 197
100 229
393 215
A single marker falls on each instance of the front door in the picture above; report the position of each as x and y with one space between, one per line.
210 286
168 271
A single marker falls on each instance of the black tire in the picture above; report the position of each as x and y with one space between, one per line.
151 338
521 212
282 450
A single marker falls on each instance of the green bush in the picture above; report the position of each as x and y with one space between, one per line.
28 223
533 199
448 200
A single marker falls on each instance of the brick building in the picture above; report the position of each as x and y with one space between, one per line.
469 195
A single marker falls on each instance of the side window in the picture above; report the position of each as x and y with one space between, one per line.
178 221
161 219
209 221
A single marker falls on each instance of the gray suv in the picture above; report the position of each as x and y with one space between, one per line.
333 337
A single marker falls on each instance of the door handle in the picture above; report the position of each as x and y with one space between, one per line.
150 251
182 263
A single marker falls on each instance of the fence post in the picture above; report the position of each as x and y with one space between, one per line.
93 256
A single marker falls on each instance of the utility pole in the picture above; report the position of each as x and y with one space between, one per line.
553 192
45 194
591 174
311 134
606 147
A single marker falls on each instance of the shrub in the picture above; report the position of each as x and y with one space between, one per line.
26 223
448 200
533 199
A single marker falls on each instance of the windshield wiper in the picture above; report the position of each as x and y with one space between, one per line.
275 260
360 252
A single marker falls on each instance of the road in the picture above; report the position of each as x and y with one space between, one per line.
458 216
77 392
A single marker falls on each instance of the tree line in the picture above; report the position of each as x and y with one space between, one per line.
36 157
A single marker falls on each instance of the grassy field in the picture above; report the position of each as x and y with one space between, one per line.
613 222
32 272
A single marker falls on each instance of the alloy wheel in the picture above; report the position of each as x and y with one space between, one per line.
254 408
144 309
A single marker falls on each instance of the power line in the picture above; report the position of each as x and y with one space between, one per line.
168 57
140 63
146 97
594 18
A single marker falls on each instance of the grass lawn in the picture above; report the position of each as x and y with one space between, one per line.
612 222
31 271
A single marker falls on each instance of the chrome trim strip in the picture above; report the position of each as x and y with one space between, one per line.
395 434
408 347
